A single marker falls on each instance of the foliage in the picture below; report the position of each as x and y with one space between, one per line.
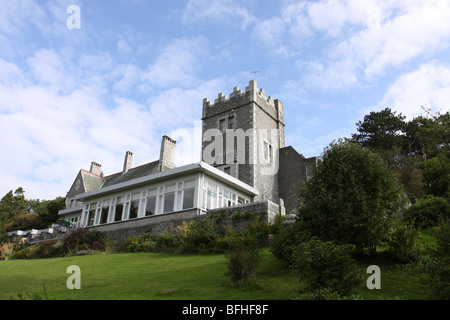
416 150
12 204
404 242
6 249
243 254
84 239
323 264
47 211
381 130
284 242
73 240
438 264
428 212
351 198
436 172
198 236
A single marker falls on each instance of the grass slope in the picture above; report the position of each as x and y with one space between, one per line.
142 276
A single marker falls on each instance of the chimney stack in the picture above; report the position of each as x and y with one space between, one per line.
96 168
167 155
128 161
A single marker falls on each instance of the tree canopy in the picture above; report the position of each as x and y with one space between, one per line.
351 197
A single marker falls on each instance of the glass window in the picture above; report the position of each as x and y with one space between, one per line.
151 206
104 215
188 199
119 211
134 206
91 213
169 199
231 122
222 125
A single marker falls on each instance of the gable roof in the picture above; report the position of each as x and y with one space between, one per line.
133 173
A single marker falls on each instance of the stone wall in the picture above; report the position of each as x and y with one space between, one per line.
120 231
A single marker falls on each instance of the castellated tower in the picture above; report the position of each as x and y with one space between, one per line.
242 136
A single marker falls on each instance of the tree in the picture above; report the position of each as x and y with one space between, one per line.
381 131
351 198
48 211
12 204
436 172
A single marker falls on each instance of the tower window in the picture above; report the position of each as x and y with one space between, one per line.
231 122
222 125
268 152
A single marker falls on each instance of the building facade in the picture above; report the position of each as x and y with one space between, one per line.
244 164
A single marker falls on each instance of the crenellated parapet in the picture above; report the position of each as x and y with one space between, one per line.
240 98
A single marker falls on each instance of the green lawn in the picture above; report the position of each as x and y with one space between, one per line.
159 276
142 276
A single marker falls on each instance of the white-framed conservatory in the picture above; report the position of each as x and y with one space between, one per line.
198 186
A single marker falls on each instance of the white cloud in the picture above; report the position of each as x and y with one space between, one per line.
176 63
362 40
225 11
428 85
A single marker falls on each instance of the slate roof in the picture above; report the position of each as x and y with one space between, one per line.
133 173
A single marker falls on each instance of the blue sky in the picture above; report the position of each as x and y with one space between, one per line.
136 70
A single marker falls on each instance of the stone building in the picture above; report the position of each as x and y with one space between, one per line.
245 165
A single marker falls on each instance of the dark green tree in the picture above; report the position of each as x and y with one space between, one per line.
47 211
351 198
381 131
12 204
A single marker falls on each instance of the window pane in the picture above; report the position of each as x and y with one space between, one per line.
169 199
212 200
119 211
91 217
104 217
188 199
134 209
231 123
150 208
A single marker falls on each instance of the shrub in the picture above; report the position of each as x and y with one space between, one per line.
198 236
93 236
23 253
428 212
243 254
48 249
74 239
6 250
165 242
323 264
438 264
141 243
404 243
285 241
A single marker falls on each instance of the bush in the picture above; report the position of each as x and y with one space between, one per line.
438 265
93 238
141 243
404 243
74 239
428 212
323 264
6 250
285 241
48 249
198 236
243 254
84 239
